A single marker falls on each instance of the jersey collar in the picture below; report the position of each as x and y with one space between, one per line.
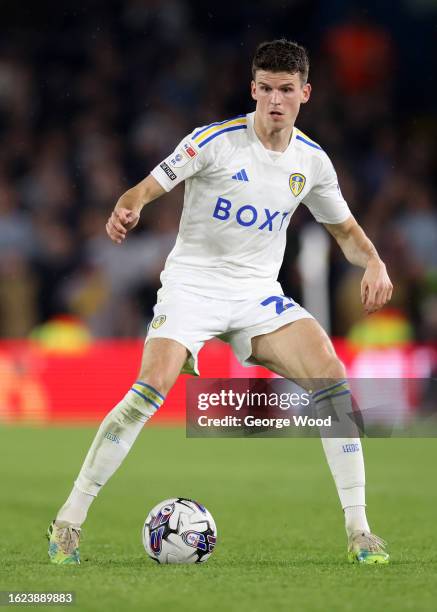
254 138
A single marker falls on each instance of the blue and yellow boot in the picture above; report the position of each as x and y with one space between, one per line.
367 548
63 543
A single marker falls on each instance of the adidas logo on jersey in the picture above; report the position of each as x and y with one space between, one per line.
241 176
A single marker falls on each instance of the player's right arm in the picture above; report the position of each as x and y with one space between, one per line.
126 213
189 158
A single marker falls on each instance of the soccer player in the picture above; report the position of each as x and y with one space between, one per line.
244 178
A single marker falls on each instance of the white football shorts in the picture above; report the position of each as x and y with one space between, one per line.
193 319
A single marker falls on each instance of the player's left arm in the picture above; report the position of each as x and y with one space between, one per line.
376 286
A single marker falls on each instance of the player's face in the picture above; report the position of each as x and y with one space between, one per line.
278 97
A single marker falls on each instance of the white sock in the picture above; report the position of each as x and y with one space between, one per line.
355 519
345 455
347 469
114 439
75 509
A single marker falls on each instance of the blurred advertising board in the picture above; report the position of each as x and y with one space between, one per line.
44 385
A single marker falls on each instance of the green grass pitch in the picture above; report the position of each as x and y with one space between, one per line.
281 541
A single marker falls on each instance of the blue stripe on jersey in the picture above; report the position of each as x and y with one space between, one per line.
229 129
216 123
308 142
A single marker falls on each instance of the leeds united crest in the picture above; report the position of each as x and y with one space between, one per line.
297 183
158 321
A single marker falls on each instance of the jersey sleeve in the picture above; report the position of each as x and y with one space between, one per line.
325 200
185 161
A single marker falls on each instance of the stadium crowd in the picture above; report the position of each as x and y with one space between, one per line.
92 99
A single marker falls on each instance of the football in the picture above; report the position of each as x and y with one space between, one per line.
179 530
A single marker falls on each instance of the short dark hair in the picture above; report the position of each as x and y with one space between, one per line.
281 56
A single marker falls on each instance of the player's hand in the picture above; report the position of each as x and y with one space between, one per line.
376 287
120 222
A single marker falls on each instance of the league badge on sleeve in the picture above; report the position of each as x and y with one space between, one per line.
297 183
189 149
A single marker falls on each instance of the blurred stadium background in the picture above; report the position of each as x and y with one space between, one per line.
93 95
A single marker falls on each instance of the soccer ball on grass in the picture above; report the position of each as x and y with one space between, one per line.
179 530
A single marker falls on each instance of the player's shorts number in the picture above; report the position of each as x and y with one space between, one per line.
281 303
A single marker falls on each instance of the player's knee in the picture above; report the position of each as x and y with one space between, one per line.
333 368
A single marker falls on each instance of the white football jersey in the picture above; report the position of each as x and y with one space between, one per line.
239 199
